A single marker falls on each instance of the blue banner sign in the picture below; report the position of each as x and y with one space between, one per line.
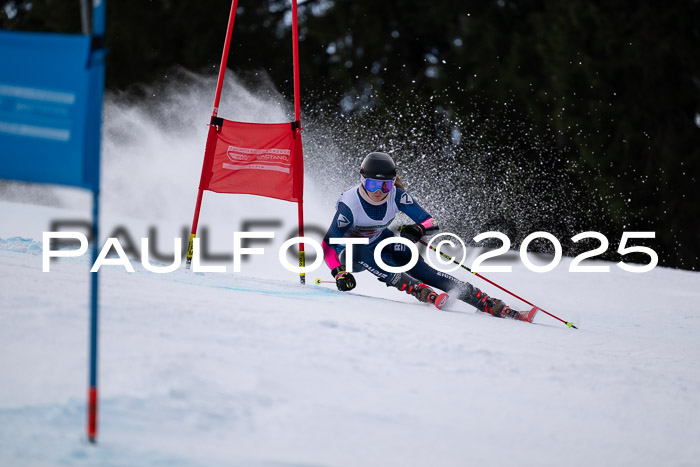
50 104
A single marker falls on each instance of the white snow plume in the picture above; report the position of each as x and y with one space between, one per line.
154 145
457 168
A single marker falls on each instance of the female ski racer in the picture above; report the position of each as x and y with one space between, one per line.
366 211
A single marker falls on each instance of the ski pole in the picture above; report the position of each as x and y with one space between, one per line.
319 281
568 323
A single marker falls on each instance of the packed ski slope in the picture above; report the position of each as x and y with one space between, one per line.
244 369
252 369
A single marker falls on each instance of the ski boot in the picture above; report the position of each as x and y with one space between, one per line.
482 302
520 315
421 291
493 306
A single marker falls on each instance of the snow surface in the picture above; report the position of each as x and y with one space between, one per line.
253 369
239 369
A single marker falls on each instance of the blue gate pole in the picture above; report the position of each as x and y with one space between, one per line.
94 276
97 89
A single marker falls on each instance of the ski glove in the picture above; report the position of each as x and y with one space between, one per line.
343 279
413 232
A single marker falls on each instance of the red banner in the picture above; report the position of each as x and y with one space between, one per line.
262 159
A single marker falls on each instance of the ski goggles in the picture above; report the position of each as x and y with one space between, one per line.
372 185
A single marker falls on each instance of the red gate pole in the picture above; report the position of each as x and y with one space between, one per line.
212 127
297 131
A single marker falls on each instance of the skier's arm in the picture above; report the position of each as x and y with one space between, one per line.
342 221
424 222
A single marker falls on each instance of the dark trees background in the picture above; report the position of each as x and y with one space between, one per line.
603 98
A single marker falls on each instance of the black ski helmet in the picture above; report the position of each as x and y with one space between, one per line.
378 165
